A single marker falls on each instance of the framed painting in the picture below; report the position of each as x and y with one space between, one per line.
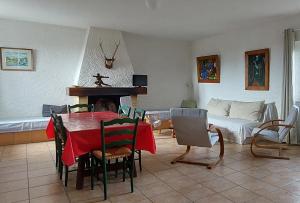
208 68
16 59
257 69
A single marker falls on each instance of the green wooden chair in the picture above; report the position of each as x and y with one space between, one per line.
61 136
124 110
140 114
123 148
81 107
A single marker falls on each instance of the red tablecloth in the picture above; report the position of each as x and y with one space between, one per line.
83 134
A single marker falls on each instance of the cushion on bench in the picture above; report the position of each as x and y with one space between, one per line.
23 124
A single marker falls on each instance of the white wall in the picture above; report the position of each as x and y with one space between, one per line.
231 47
167 64
60 52
121 73
56 53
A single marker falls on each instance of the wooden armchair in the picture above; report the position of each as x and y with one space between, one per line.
274 131
191 129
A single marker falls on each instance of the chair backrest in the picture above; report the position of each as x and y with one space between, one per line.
290 120
60 133
188 104
58 143
81 108
191 126
124 110
49 109
126 100
59 129
139 113
127 133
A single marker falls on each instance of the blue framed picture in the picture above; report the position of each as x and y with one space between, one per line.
208 68
16 59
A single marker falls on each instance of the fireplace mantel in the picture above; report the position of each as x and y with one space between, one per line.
105 91
82 94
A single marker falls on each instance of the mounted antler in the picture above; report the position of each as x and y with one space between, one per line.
109 61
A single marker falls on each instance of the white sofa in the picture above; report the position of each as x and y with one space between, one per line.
237 119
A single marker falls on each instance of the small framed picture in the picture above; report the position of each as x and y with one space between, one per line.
257 69
208 68
17 59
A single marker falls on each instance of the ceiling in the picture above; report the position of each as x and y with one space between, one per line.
178 19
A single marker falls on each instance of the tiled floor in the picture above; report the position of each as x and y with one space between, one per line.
28 174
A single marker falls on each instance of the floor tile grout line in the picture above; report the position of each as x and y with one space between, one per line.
178 190
276 186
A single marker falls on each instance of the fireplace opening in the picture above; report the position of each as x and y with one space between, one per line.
105 103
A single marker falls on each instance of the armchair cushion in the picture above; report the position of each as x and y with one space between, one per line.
214 137
270 135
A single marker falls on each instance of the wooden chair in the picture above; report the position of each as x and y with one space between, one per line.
81 107
124 110
140 114
123 148
191 129
61 135
274 131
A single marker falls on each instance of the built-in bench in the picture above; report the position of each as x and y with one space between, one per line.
23 130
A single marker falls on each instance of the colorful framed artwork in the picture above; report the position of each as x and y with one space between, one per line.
257 69
208 68
16 59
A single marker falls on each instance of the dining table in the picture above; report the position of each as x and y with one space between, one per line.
84 135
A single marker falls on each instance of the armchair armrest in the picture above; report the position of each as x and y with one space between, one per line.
271 121
274 125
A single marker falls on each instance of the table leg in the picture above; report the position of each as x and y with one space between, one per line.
80 171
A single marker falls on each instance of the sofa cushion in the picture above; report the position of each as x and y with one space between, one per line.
251 111
218 107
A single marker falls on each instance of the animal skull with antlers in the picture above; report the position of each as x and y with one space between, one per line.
109 61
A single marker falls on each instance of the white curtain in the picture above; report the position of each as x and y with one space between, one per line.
287 91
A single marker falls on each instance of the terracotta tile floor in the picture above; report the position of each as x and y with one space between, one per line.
28 174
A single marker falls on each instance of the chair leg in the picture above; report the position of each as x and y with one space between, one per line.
140 159
66 175
253 142
60 168
208 165
96 162
92 173
188 148
124 168
56 159
221 155
116 168
271 146
131 172
173 133
104 178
